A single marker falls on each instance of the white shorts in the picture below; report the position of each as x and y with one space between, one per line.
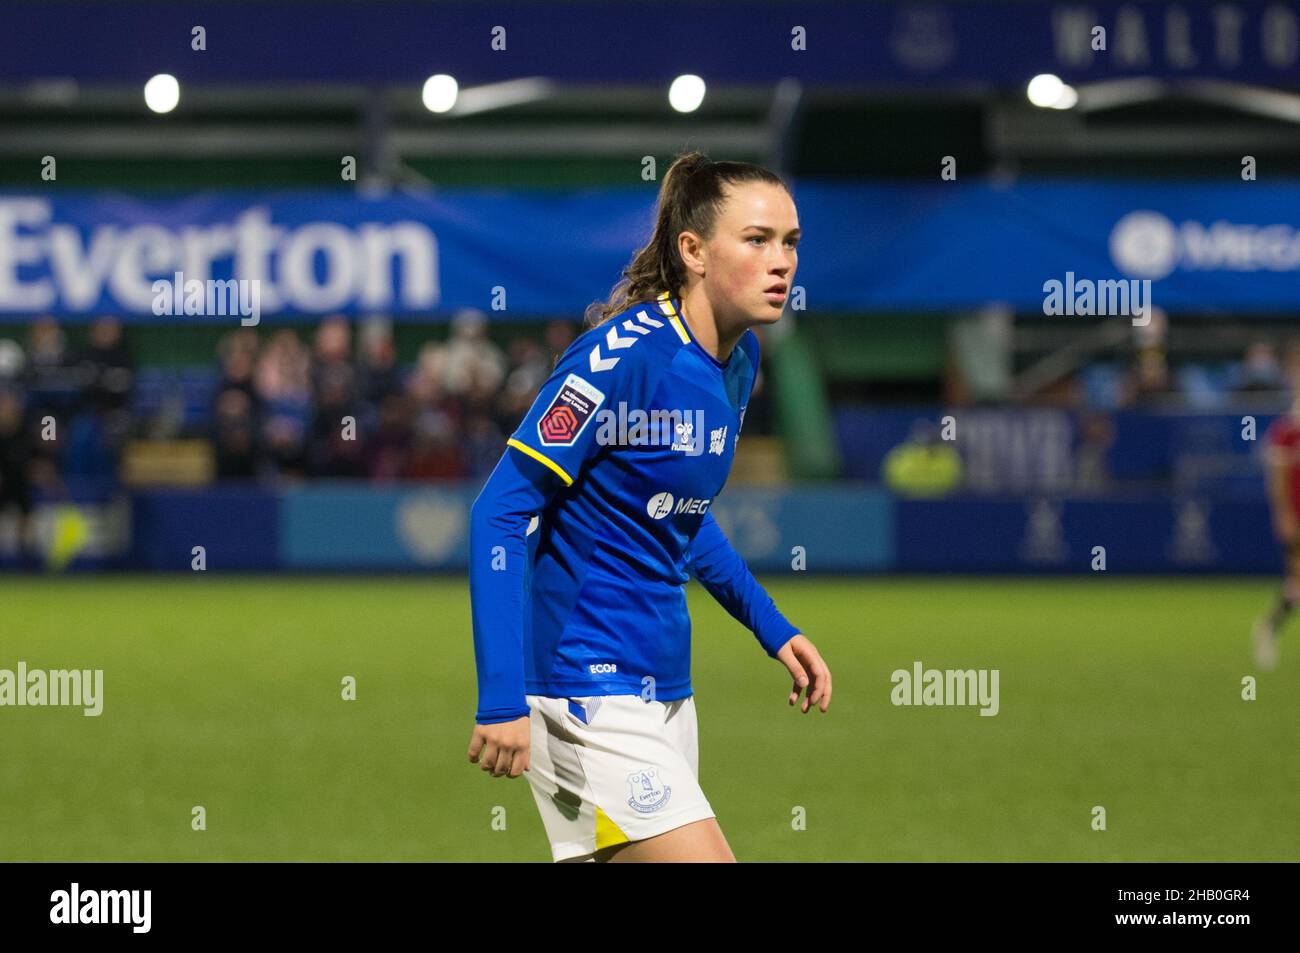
608 769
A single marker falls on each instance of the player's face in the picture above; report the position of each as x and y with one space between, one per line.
753 251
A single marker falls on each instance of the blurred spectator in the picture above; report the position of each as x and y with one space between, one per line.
335 444
235 407
332 370
483 443
1260 370
282 383
47 347
237 352
386 451
12 361
470 356
109 369
1148 380
380 375
426 387
559 335
17 454
235 435
1096 435
280 409
106 373
52 384
529 370
1291 364
435 449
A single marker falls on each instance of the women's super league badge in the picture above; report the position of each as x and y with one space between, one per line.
569 412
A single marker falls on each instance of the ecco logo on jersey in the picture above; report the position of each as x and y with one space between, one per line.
602 668
661 504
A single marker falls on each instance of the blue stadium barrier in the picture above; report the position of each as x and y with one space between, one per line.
847 528
1025 450
851 527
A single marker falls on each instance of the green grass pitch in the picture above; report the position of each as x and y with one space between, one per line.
224 692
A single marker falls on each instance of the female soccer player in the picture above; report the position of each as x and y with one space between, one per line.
583 536
1283 462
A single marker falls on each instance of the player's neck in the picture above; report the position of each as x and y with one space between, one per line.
699 317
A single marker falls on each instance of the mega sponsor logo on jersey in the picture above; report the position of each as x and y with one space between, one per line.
661 504
569 412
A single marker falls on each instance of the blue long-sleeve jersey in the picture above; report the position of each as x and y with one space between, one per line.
619 459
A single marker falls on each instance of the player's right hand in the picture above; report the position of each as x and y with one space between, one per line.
809 671
504 747
1287 529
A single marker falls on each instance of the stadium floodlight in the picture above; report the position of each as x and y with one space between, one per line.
162 93
439 93
1068 98
514 92
1050 92
686 93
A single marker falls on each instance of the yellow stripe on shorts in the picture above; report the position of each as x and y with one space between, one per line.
607 832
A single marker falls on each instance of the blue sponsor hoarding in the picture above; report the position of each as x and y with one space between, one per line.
521 254
852 528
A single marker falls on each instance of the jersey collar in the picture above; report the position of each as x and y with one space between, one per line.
672 306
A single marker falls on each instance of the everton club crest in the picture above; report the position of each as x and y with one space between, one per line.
649 793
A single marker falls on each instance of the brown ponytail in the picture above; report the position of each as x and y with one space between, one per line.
690 199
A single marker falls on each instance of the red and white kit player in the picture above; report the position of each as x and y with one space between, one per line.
1283 475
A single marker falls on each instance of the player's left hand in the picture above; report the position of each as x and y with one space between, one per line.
809 671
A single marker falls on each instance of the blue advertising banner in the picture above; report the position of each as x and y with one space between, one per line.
1187 246
242 257
236 528
823 529
1137 534
1013 450
89 527
358 527
850 528
816 41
